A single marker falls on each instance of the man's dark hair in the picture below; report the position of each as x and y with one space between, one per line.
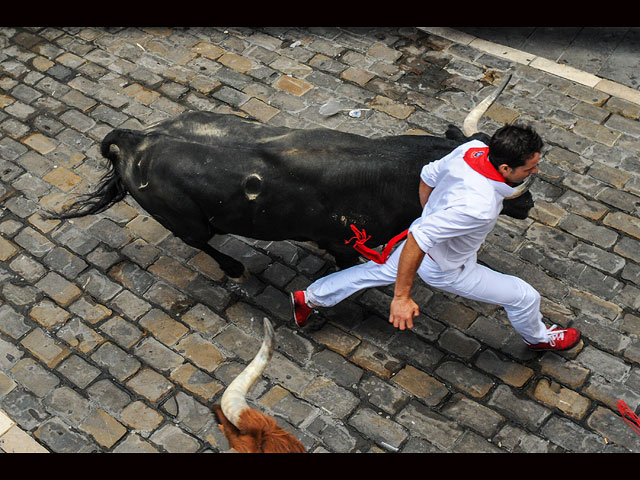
514 145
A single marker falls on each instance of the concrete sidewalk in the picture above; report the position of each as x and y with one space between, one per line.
115 336
608 52
605 59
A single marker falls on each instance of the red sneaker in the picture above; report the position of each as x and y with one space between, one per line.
301 310
559 339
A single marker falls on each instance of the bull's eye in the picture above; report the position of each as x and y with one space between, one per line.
252 185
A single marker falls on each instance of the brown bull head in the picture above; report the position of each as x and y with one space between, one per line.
246 429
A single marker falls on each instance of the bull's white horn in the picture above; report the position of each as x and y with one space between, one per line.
522 188
470 125
233 401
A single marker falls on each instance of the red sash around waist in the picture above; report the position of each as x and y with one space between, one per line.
359 245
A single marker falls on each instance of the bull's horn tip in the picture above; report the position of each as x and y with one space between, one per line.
267 323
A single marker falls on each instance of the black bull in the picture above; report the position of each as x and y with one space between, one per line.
202 174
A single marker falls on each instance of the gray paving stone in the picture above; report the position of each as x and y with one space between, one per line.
293 410
383 395
522 410
133 443
598 258
421 348
571 436
512 373
383 431
473 415
35 243
141 252
98 285
27 268
279 275
80 372
89 310
333 434
603 335
25 409
174 440
297 347
632 273
110 233
59 289
567 372
9 355
60 438
64 262
375 328
516 440
210 294
68 404
632 352
108 396
337 368
603 363
341 402
34 377
429 425
455 342
469 380
157 355
275 302
189 412
611 426
124 333
116 361
130 305
12 323
474 443
150 384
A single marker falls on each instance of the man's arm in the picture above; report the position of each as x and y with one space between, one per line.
403 308
424 191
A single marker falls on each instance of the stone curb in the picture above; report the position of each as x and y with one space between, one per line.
540 63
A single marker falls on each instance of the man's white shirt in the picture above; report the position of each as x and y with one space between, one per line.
461 211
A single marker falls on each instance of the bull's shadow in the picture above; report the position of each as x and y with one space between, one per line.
202 174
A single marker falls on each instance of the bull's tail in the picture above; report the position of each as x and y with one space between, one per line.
109 191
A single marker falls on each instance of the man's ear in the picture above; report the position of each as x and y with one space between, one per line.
504 169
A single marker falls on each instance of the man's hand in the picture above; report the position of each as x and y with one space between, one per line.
403 311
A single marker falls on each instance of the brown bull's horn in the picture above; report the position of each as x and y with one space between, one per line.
470 125
233 401
522 188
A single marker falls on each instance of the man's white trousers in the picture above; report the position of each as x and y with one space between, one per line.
473 281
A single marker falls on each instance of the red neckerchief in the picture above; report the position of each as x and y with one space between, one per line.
478 160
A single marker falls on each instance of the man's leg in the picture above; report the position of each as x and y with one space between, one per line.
332 289
477 282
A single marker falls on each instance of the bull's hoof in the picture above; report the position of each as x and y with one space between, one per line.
240 278
233 269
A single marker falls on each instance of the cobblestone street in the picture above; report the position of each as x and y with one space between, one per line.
116 336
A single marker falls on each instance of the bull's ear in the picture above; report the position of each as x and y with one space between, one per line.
454 133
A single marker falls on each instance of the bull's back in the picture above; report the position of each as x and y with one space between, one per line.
269 182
